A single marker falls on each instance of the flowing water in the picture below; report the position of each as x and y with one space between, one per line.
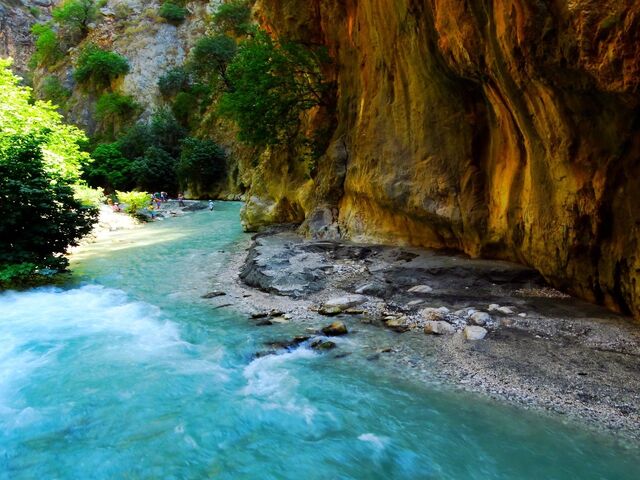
125 374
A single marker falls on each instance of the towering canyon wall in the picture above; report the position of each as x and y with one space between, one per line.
502 128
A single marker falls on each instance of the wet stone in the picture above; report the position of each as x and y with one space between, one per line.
335 329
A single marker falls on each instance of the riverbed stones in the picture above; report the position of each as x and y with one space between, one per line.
335 329
438 328
474 332
214 294
434 314
338 305
398 324
480 319
421 289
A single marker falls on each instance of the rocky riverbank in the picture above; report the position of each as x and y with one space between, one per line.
483 326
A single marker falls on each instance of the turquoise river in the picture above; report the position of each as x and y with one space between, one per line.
125 373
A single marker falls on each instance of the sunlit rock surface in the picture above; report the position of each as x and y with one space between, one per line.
506 129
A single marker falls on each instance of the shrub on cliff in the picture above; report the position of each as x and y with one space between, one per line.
47 47
99 68
233 17
173 82
74 18
114 111
53 90
172 12
272 84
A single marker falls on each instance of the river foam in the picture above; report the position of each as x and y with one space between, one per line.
92 326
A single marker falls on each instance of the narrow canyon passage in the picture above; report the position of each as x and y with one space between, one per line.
127 373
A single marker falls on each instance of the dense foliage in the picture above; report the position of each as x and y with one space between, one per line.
20 115
201 161
272 84
210 58
98 68
233 17
40 159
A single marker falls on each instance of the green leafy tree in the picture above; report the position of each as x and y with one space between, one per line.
40 216
210 58
98 68
156 170
20 115
110 168
166 131
74 18
273 83
202 162
233 17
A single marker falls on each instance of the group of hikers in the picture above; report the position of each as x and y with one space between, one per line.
155 202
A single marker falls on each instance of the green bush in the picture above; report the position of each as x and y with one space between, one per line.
47 47
99 68
201 161
172 13
53 90
89 197
134 201
273 83
110 168
233 17
74 18
210 57
40 216
173 82
114 111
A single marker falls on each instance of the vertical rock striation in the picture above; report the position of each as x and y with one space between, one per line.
502 128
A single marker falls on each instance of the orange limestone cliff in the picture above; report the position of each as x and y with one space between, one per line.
503 128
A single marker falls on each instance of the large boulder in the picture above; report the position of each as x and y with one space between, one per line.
438 328
474 332
335 329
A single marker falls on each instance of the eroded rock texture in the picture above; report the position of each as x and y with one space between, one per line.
502 128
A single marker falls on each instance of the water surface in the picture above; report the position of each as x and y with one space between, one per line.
126 373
